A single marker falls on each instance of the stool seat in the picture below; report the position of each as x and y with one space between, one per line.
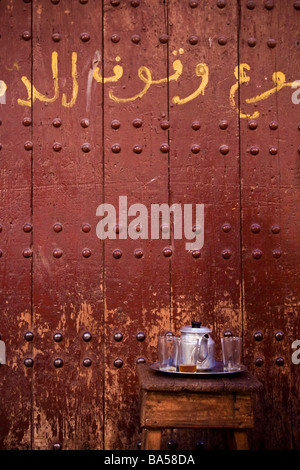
169 401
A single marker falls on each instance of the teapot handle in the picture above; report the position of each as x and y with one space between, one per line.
203 348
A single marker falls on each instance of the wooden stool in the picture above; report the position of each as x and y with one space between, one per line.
168 401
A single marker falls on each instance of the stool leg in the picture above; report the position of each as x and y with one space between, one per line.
238 439
151 439
241 440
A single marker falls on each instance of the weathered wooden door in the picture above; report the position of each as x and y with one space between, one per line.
133 103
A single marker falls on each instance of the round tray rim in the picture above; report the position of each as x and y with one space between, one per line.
217 370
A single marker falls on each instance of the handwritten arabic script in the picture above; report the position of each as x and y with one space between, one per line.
145 75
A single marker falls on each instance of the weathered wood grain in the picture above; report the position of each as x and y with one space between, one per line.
213 402
206 288
67 188
152 380
270 216
15 212
188 410
240 158
137 290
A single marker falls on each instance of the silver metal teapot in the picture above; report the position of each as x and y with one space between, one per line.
206 344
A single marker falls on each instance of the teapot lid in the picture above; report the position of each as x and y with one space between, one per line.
195 328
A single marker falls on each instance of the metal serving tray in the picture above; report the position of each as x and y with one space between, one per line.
217 370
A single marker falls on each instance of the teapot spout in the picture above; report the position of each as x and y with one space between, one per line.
203 348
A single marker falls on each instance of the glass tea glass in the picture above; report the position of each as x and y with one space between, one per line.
232 353
166 352
187 354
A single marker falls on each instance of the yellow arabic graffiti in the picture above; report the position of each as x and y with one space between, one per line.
35 93
241 76
75 84
118 73
144 74
147 80
279 82
146 77
201 71
41 97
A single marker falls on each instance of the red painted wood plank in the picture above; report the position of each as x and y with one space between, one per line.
204 168
268 45
15 232
68 261
137 290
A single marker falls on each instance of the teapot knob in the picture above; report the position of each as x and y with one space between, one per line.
169 333
228 333
196 324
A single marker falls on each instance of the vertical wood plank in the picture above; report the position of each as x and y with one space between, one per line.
237 440
286 310
268 45
68 262
204 166
137 289
151 439
15 213
208 287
